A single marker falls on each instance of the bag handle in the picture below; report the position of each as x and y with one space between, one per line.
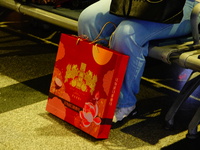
97 38
127 13
101 31
154 2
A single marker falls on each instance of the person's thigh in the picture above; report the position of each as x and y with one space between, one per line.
93 18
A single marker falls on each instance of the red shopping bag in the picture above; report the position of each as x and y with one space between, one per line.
86 84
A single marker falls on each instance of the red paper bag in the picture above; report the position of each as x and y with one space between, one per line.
86 84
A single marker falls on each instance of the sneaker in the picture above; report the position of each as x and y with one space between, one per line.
122 115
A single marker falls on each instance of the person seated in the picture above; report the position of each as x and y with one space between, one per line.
131 37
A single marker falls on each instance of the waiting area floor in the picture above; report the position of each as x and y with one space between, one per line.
26 65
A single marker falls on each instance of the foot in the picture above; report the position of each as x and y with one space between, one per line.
122 115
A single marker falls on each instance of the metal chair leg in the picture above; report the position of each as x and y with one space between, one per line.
192 83
192 128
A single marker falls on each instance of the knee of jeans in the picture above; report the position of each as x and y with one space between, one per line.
123 39
85 18
86 23
125 30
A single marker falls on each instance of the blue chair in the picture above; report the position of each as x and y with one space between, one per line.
186 54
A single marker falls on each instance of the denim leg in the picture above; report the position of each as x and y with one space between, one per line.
132 38
92 19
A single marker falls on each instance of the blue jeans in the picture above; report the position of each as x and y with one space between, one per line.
132 38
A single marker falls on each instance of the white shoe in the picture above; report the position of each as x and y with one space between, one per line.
121 113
